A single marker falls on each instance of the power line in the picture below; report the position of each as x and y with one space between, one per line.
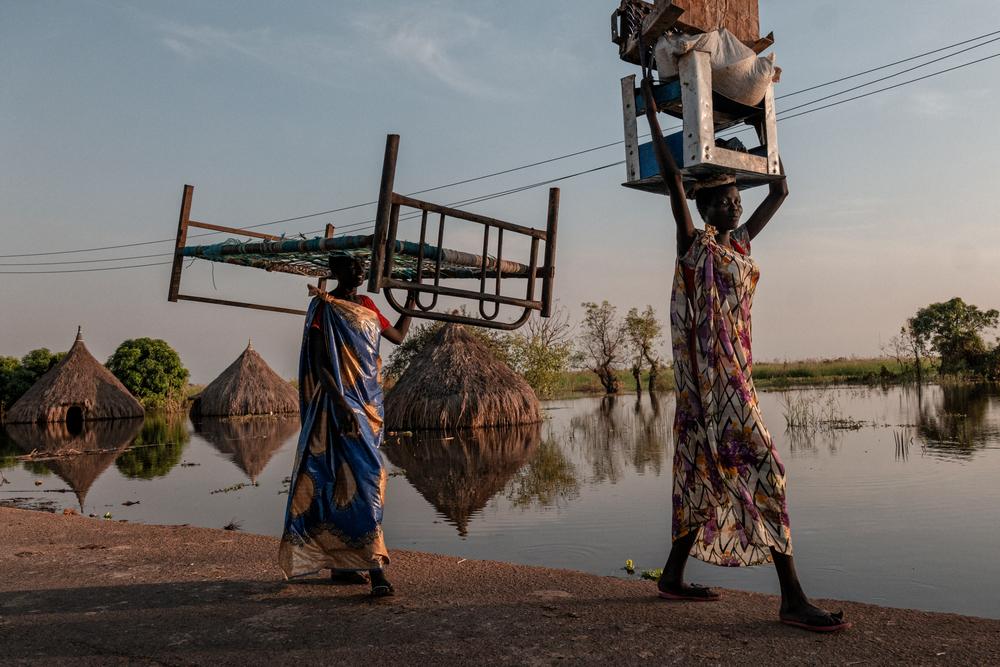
898 85
890 76
898 62
550 160
105 268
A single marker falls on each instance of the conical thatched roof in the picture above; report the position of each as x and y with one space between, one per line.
83 467
459 475
78 381
249 441
457 383
248 387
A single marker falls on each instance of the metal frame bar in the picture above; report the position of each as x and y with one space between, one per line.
184 222
383 247
383 254
700 156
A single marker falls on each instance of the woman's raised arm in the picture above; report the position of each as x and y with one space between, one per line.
672 180
776 196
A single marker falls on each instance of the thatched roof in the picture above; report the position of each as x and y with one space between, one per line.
250 442
457 383
83 467
248 387
78 381
459 475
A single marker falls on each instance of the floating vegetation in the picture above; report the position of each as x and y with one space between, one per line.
653 575
235 487
233 525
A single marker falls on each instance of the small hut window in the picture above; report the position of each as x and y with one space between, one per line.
74 420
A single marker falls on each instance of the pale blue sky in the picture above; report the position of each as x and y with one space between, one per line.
274 110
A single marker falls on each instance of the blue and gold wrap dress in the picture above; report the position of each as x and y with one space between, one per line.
334 513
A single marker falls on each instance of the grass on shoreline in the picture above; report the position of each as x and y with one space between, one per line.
766 375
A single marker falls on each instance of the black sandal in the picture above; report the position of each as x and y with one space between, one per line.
383 590
348 578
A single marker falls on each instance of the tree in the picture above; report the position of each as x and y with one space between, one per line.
151 370
17 376
953 329
602 343
643 332
541 351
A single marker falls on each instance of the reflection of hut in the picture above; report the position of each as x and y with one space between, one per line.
457 383
248 387
249 442
459 475
77 388
85 455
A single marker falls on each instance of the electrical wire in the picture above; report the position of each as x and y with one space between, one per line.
783 115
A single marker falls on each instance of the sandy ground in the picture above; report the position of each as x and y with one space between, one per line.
89 591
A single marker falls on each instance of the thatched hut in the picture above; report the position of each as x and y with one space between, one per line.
459 475
78 388
83 456
248 387
249 442
457 383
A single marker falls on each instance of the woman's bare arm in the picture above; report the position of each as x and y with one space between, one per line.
672 179
397 333
775 198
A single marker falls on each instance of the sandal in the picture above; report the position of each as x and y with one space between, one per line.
838 625
348 578
691 593
383 590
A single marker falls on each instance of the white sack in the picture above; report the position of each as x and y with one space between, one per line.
737 72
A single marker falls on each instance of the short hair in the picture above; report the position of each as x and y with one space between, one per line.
703 197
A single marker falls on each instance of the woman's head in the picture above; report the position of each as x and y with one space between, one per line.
720 206
348 271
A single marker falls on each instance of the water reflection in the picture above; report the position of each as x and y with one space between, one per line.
953 421
623 433
249 442
547 480
459 474
83 456
157 449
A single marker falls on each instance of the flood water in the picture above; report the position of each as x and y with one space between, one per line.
894 495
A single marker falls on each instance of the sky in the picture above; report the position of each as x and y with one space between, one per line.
275 110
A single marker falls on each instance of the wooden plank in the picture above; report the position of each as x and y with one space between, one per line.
328 234
383 211
548 282
232 230
629 114
240 304
662 17
740 17
465 215
182 225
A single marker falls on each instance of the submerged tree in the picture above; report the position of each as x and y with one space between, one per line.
644 331
151 370
954 331
17 376
541 351
602 343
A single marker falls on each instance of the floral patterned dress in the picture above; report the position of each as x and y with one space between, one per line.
729 484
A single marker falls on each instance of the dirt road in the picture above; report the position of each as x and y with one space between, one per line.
90 591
